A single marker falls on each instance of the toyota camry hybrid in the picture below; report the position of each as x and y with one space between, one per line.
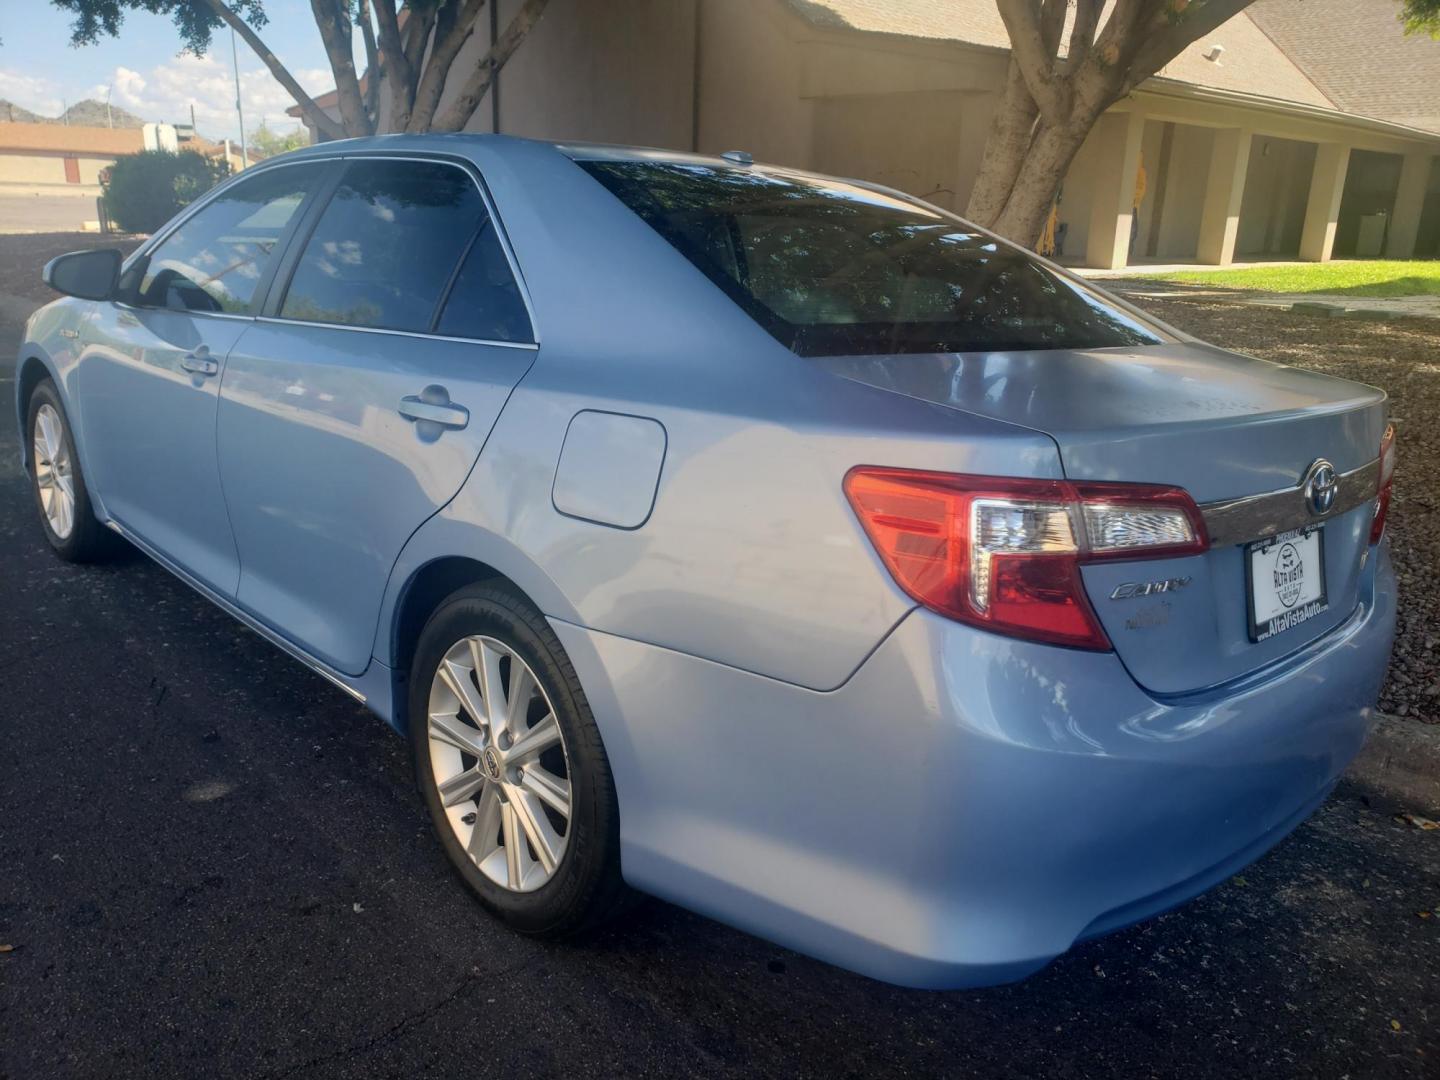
776 544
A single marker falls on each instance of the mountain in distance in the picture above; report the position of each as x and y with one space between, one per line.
87 113
91 113
16 114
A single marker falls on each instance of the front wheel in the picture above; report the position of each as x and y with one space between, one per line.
58 481
511 766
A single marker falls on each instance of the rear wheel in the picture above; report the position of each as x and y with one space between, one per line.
58 481
511 766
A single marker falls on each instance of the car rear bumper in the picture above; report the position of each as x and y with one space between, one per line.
965 807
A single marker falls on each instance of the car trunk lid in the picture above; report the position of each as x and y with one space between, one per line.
1222 426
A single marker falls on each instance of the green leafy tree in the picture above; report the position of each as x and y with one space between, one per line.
1421 17
410 48
268 143
145 190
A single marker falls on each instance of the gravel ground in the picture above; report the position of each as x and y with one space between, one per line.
1403 357
22 255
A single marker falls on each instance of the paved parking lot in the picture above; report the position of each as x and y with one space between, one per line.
213 863
24 212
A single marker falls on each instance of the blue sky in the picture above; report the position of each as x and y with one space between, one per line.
40 70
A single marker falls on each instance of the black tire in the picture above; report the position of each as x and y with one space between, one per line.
586 888
88 540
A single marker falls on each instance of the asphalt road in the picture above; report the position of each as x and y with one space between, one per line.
213 863
29 213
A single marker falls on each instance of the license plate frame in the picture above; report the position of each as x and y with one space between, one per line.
1264 625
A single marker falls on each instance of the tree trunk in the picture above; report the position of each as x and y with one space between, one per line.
458 113
1040 175
1005 150
452 31
333 21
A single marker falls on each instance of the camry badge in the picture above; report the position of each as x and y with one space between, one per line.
1322 487
1132 589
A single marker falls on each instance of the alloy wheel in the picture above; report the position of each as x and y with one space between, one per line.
499 762
53 471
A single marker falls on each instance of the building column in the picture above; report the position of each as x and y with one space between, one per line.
1220 217
1112 201
1409 202
1322 211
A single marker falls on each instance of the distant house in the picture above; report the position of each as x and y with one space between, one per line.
62 155
71 157
1300 128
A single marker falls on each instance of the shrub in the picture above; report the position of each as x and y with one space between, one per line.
145 190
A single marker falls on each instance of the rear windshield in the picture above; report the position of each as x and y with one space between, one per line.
833 269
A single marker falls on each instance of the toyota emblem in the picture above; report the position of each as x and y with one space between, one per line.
1322 486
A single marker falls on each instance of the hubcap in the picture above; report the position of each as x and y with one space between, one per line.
499 763
53 475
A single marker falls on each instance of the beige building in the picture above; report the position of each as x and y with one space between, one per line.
69 158
1281 135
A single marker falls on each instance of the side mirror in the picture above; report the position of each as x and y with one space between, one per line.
90 275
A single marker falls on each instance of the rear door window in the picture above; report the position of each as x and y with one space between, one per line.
831 268
387 246
216 259
484 300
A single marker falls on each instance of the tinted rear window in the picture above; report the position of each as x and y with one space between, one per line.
833 269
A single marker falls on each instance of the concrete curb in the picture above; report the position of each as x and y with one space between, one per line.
1401 759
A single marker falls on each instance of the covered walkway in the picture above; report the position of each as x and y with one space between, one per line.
1185 177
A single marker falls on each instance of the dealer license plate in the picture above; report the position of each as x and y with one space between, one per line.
1286 578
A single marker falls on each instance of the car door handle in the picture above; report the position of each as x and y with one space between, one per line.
433 404
199 365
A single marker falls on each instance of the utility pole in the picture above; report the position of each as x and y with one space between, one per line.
239 109
109 120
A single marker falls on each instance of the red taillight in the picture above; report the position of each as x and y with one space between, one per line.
1005 554
1387 482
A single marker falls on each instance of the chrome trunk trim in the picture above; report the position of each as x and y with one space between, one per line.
1238 521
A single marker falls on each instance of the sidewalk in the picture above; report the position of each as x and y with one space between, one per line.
1402 759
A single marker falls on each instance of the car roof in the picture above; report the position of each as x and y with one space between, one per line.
460 141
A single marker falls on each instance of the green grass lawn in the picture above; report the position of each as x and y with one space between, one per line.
1344 278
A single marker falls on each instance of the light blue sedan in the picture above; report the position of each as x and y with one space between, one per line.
779 545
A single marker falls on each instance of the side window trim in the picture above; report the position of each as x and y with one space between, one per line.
271 292
141 257
285 267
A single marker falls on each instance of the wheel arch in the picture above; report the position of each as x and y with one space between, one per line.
428 570
31 371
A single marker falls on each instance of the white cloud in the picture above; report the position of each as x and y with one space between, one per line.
167 91
33 92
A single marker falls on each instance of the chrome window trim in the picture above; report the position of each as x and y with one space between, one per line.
1238 521
184 311
277 320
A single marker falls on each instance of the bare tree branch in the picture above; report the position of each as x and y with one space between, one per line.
1082 33
399 74
417 35
453 27
316 115
1184 27
333 19
1023 21
458 114
372 65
